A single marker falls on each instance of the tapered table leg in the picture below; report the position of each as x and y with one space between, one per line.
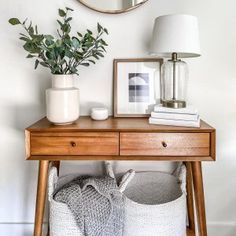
41 196
190 204
199 197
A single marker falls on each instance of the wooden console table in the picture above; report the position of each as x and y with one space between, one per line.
122 139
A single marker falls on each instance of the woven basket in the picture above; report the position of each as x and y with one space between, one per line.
155 204
61 220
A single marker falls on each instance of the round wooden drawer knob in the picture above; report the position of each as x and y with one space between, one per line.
73 144
164 144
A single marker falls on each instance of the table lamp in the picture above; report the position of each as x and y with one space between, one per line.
175 36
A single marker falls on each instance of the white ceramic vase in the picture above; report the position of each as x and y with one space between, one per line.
62 100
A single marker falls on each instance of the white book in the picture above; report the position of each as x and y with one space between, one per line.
183 123
187 110
175 116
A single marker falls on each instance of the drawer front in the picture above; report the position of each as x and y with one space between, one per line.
164 144
75 144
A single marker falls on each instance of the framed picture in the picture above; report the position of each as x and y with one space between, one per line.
136 86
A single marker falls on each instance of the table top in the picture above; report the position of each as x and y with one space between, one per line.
85 123
124 139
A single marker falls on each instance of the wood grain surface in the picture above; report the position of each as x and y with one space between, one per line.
76 144
119 139
114 124
165 144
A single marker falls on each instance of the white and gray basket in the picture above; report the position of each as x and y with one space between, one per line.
61 219
155 204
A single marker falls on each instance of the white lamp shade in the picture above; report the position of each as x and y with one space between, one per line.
176 33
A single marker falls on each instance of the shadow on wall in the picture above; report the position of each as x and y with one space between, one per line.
20 111
18 114
21 116
89 105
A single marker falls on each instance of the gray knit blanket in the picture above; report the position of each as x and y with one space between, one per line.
96 203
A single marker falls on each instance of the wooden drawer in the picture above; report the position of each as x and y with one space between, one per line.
164 144
93 143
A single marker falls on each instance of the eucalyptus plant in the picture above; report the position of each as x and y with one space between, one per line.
64 53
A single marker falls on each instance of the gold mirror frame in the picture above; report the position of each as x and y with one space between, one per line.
112 11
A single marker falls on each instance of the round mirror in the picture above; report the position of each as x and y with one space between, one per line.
112 6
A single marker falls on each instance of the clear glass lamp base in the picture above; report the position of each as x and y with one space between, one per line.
173 103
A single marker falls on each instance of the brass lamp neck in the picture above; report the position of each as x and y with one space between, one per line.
174 57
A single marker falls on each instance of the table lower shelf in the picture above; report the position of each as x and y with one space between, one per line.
118 158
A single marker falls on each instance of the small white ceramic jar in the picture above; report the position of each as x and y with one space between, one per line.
99 113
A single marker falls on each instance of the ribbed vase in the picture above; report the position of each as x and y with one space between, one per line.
62 100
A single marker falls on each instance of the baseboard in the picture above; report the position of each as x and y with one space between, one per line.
19 229
26 229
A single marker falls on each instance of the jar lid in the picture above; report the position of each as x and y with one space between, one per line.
99 109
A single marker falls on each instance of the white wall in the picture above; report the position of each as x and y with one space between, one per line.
212 89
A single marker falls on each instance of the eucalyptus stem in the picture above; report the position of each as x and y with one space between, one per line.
64 53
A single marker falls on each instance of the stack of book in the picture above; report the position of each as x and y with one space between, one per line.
187 117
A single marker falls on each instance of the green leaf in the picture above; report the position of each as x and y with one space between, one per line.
96 57
84 64
48 37
92 61
67 43
31 47
24 21
103 42
24 39
73 70
106 31
58 43
31 30
79 34
67 38
36 29
37 38
103 49
58 33
27 46
53 45
14 21
60 23
69 9
69 54
61 12
36 64
79 55
100 54
51 62
44 64
65 28
62 54
99 28
68 19
49 55
30 56
88 44
49 42
23 35
89 31
75 43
